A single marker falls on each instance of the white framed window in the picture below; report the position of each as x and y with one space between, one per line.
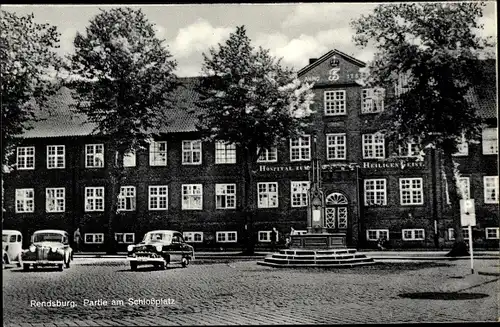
25 200
191 152
299 194
410 149
373 146
55 156
267 193
300 148
193 237
376 234
335 103
94 155
336 146
94 238
463 147
158 197
413 234
25 157
158 153
192 197
268 155
55 199
463 184
372 100
375 192
490 189
451 234
492 233
125 238
225 153
226 237
126 198
411 191
225 196
129 159
490 140
265 236
94 199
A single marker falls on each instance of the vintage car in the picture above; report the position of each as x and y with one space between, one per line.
50 247
12 246
160 248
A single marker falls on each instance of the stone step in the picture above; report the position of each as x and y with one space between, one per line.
319 262
325 265
318 257
308 252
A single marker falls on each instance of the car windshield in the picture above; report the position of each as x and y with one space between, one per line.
48 237
5 237
158 237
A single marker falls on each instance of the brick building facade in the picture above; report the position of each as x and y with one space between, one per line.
61 176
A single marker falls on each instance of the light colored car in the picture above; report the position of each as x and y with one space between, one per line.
160 248
12 246
50 247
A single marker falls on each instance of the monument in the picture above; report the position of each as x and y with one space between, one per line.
318 247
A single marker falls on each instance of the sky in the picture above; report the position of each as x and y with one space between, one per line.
294 32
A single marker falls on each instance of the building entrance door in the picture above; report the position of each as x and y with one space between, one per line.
336 212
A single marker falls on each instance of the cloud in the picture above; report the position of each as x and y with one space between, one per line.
189 69
489 26
198 37
297 51
67 38
337 14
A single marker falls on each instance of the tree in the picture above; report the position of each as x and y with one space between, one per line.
29 61
431 52
248 99
123 77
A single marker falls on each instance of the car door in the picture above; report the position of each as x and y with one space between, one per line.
176 248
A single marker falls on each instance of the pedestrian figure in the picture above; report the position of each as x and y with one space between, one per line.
381 244
76 239
274 238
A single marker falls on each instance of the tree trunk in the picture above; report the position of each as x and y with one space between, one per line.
459 247
248 204
116 179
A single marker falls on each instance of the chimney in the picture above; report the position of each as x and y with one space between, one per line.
312 60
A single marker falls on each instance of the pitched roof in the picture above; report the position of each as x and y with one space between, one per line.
328 55
61 120
485 95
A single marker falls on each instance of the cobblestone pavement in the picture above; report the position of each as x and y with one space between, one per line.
245 293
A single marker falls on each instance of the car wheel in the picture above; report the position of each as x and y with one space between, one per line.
163 266
133 266
26 267
185 262
6 259
60 267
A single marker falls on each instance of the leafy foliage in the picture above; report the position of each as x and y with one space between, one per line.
428 56
249 99
29 62
431 52
123 76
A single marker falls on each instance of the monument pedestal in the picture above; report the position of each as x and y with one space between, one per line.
318 241
317 250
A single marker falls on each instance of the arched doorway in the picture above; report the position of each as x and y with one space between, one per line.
336 213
